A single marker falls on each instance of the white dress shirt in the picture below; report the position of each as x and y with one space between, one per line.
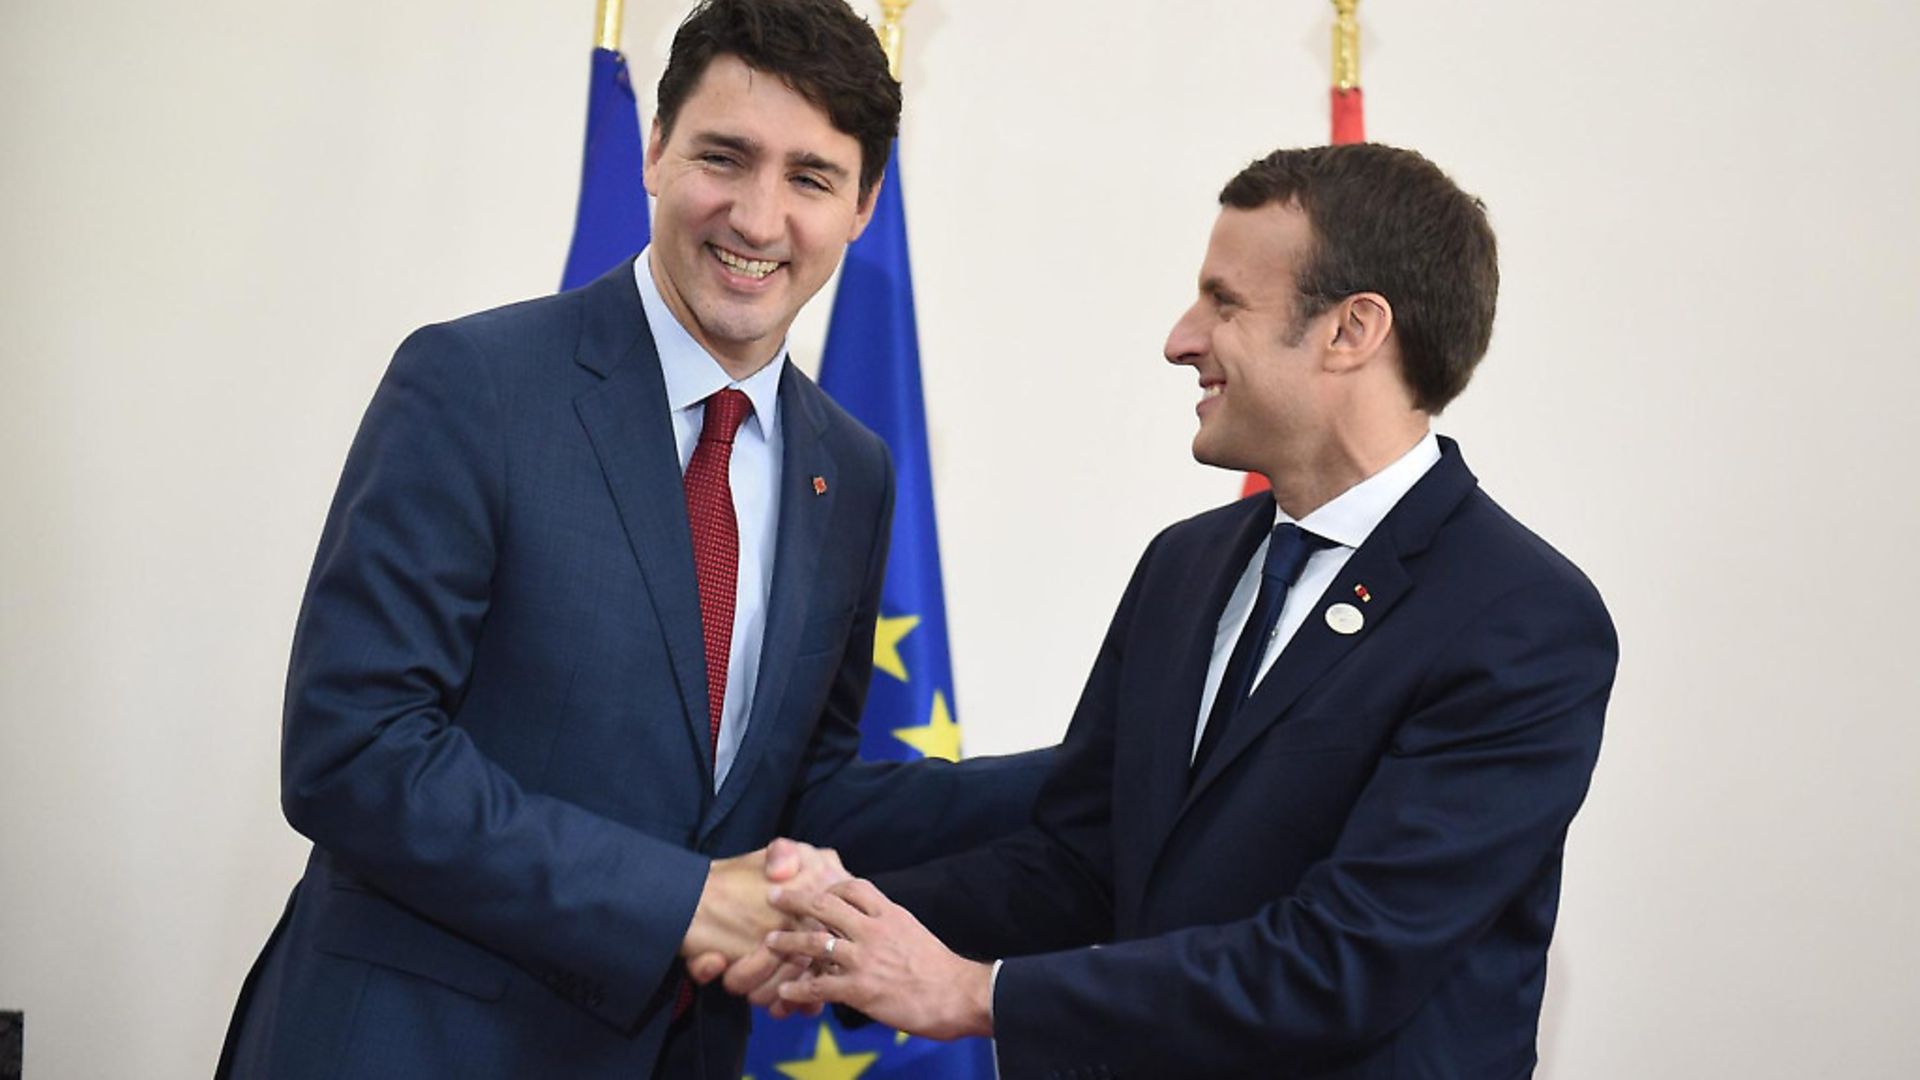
1346 520
753 472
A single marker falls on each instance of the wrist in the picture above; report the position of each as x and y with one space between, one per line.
697 937
978 997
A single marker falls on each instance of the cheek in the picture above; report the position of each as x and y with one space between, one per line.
690 203
1230 346
823 232
1255 383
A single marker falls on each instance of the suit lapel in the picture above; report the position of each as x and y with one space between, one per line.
626 417
805 510
1379 565
1209 584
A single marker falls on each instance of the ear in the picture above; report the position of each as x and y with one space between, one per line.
1362 325
650 168
863 211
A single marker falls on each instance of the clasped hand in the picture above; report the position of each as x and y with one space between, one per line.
728 935
788 928
858 948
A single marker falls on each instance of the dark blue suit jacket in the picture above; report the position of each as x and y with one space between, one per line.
496 717
1362 881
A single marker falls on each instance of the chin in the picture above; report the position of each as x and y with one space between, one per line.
736 327
1206 454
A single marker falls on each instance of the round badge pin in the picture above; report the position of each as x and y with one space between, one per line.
1345 619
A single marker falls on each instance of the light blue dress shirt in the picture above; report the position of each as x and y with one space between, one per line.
692 375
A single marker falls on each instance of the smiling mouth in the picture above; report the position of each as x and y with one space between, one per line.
1212 390
740 264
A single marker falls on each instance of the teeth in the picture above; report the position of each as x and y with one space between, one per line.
1211 391
757 268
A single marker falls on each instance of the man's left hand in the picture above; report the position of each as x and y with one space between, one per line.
876 957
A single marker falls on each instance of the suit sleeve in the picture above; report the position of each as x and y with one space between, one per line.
1475 791
882 815
1049 886
374 772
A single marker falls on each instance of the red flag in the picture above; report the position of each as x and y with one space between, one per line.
1349 116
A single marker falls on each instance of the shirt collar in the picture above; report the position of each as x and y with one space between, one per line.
1350 517
691 373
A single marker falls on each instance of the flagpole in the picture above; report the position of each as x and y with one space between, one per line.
606 23
890 14
1346 44
1349 108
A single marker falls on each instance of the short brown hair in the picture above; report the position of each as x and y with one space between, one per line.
1387 220
819 48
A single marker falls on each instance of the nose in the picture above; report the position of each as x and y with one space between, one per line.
1187 341
756 213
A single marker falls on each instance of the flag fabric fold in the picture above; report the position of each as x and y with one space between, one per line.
871 366
610 224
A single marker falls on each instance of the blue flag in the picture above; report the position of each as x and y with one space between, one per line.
871 366
611 224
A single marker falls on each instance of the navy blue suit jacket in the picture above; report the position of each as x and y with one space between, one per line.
496 717
1363 879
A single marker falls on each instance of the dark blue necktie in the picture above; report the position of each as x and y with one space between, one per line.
1287 552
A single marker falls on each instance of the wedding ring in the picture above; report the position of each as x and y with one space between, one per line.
831 941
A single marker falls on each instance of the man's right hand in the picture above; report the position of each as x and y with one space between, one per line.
733 908
735 914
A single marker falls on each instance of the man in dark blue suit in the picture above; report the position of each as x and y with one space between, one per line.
1309 815
591 623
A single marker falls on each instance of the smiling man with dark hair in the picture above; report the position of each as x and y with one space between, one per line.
1311 807
591 623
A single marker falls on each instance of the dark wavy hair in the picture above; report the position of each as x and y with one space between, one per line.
1387 220
819 48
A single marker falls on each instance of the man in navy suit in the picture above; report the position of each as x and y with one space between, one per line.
591 622
1309 815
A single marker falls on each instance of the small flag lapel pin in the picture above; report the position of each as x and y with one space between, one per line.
819 485
1361 592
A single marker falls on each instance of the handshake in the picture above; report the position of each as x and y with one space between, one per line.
790 930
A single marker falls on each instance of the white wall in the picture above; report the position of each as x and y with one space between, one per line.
219 218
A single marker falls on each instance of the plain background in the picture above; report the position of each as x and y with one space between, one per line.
220 217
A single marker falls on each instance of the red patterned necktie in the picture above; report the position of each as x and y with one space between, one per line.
716 563
716 541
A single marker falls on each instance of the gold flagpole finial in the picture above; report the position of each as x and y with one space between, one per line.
890 13
606 24
1346 45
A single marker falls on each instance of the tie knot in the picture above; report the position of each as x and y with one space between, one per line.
726 411
1287 551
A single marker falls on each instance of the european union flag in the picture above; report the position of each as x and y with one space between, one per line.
871 366
611 224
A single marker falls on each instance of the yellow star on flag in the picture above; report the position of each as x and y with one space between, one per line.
886 643
939 737
827 1062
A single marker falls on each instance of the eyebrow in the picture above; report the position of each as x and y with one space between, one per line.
1217 289
742 145
738 143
